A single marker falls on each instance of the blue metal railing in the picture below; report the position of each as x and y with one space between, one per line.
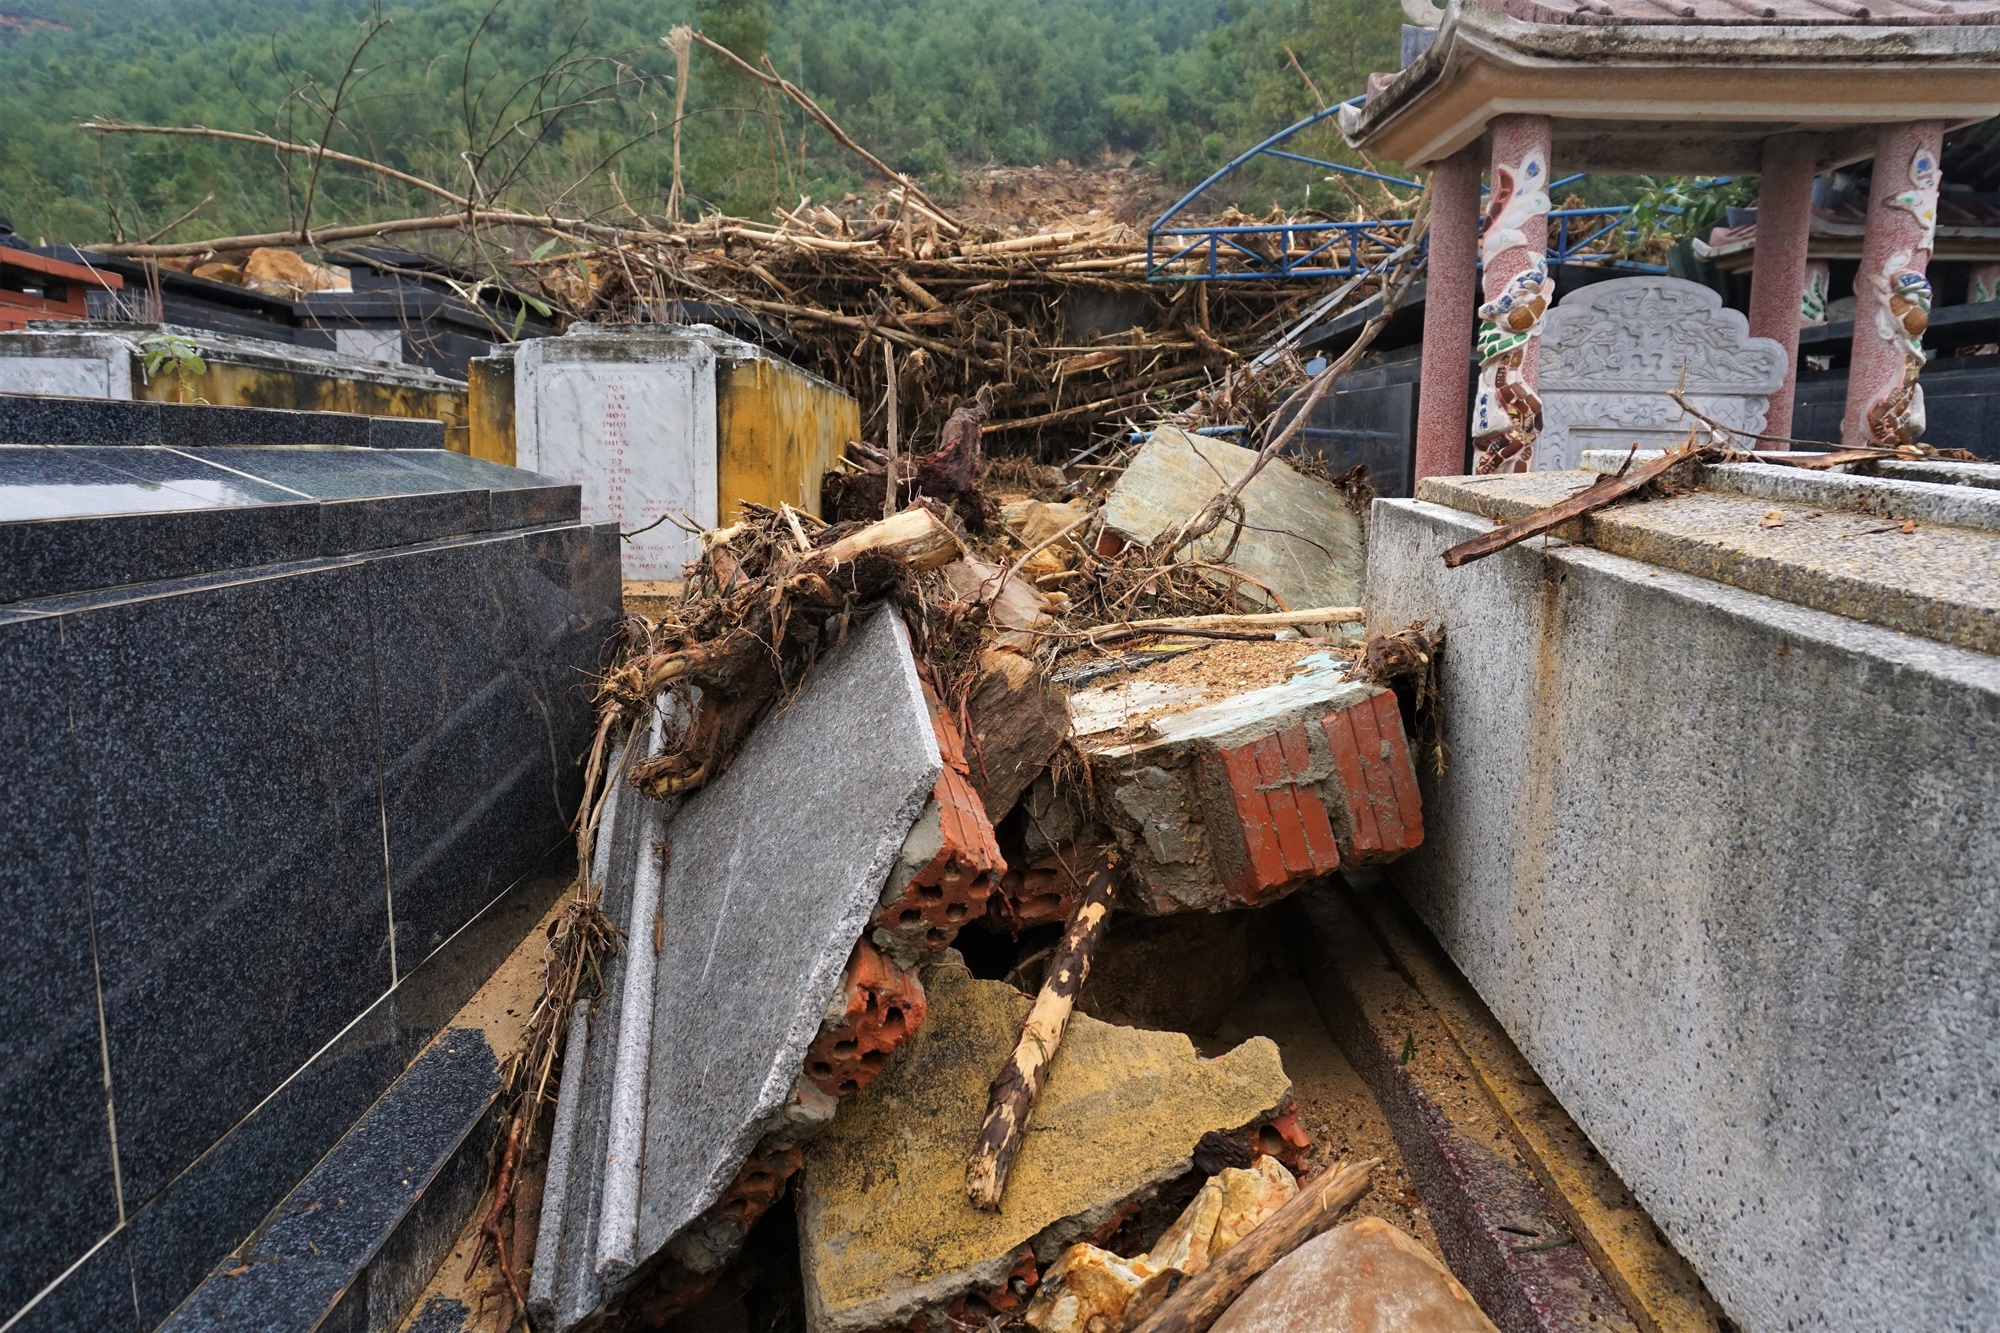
1267 252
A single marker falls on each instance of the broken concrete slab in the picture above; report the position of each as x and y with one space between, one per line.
1363 1276
886 1232
774 870
1237 802
744 912
1301 538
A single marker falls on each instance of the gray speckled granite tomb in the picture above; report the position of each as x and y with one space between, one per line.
289 724
699 1048
1716 844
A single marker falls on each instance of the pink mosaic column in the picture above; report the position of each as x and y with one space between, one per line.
1885 406
1506 411
1451 276
1778 273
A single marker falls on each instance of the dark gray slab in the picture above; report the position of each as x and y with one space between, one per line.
226 740
209 1208
45 482
26 419
404 433
774 870
53 557
57 1196
204 1216
193 424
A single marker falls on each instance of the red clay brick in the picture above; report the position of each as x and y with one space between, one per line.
1373 760
883 1007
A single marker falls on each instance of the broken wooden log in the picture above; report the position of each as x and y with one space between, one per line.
1267 622
1011 1100
1017 720
1200 1301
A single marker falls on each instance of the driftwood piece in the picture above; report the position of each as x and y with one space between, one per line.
1017 720
1200 1301
1011 1100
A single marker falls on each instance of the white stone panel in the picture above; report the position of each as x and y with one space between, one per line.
384 345
634 426
1613 352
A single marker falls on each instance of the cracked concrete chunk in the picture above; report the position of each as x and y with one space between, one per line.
1300 536
886 1232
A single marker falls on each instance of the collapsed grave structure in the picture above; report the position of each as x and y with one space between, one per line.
887 762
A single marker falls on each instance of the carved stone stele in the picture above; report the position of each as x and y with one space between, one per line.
1613 352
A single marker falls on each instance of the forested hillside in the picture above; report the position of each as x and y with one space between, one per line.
524 99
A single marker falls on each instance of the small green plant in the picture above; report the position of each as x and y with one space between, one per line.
177 355
1665 212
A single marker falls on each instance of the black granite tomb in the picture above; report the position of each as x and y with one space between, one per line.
289 724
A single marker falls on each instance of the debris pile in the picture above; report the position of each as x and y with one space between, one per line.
853 776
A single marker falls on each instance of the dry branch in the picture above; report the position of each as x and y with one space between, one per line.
1011 1100
827 123
280 145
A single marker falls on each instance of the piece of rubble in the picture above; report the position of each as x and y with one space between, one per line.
1089 1289
1299 535
1363 1276
740 937
1239 801
949 864
886 1233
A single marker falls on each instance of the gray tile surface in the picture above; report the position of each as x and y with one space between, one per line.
773 871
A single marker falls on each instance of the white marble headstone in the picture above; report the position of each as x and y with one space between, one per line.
66 365
630 419
1612 353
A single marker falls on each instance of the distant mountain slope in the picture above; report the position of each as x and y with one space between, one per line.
934 85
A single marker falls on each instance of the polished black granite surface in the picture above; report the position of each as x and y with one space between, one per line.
77 517
30 419
267 818
344 1238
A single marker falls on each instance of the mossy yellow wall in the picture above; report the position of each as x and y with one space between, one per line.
490 408
777 431
229 385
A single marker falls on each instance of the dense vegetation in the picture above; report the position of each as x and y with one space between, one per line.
524 98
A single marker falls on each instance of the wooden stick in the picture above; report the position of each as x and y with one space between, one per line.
1266 621
439 222
1011 1100
1200 1301
894 407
